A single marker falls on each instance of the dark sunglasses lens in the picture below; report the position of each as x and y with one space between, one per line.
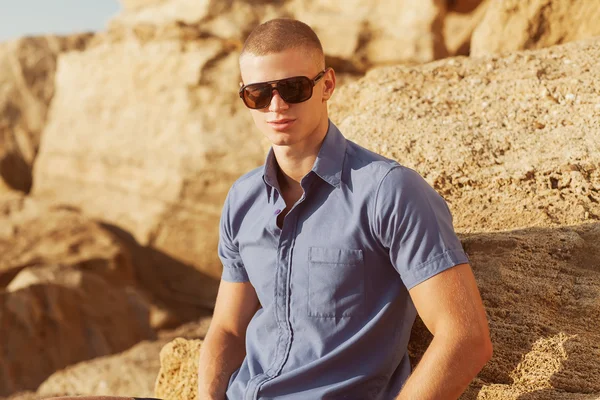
257 96
295 90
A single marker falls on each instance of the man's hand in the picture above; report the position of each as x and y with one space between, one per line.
451 308
224 347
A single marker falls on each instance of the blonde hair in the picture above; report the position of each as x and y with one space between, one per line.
282 34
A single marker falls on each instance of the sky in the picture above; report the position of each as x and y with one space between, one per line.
35 17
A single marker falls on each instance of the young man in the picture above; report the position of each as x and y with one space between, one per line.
329 251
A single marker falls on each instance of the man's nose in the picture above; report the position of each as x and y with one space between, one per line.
277 102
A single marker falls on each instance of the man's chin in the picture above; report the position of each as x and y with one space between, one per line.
281 138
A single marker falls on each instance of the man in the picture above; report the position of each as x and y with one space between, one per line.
328 253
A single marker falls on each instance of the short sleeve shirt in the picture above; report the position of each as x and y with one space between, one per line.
333 281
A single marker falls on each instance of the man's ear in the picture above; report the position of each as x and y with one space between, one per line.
328 84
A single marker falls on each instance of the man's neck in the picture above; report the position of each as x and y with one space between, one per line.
293 169
297 161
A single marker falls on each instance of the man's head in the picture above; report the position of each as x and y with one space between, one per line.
280 49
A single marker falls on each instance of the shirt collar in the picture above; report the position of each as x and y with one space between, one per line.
330 160
270 174
328 165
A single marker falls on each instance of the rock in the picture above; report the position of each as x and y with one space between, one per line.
27 68
517 25
367 33
355 35
163 170
35 234
459 24
159 12
130 373
540 288
22 396
178 376
92 398
48 325
469 126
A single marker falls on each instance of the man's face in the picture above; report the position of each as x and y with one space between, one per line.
289 124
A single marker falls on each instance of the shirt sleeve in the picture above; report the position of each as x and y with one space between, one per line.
414 222
233 267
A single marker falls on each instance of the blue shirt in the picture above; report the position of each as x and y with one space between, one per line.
333 282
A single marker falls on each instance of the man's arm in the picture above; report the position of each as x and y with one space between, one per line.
224 349
451 308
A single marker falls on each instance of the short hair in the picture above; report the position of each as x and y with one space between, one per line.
281 34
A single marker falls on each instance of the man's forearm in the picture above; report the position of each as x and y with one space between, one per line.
446 369
220 355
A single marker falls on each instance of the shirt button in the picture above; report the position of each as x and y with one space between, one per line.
277 211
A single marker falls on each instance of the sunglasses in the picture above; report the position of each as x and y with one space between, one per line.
292 90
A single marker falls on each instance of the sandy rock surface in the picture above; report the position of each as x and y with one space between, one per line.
510 25
27 68
510 142
178 376
541 289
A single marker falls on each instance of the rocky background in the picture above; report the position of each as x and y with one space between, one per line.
117 149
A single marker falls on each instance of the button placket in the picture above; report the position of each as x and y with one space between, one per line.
282 293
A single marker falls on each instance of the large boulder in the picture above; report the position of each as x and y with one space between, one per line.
511 25
54 316
146 136
540 288
510 142
365 33
27 68
34 233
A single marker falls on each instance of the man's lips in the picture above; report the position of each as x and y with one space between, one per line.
281 121
281 125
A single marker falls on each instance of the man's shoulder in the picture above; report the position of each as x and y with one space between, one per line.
367 164
378 169
248 183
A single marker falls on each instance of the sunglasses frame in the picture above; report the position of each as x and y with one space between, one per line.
274 85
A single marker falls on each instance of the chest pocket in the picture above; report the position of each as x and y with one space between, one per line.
336 282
